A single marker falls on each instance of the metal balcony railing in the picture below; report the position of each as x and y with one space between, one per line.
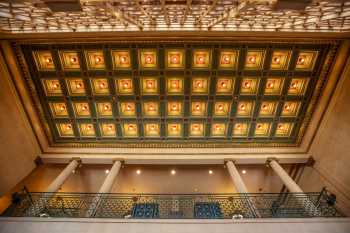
174 206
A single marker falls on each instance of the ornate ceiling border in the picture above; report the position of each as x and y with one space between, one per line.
334 44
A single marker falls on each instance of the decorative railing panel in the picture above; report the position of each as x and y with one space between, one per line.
177 206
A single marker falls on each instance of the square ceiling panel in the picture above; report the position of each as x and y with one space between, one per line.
52 87
178 94
148 59
70 60
175 59
121 59
95 59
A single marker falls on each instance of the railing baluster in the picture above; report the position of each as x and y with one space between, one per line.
99 205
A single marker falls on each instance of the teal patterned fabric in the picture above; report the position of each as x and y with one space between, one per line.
207 210
145 210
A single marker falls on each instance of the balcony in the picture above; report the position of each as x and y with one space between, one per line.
179 206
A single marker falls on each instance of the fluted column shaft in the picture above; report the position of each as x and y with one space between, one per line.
62 177
109 181
286 179
236 177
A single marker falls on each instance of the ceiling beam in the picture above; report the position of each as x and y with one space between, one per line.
182 159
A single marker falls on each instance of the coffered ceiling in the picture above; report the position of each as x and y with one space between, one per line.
174 15
174 94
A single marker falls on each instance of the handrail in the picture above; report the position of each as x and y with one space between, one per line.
141 205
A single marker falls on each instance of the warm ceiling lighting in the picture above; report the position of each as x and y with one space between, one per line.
238 126
85 107
246 84
201 59
198 107
48 60
122 59
68 127
217 127
270 85
242 107
138 171
226 58
152 127
173 172
174 59
57 85
199 84
174 127
106 107
210 172
151 108
174 84
79 85
149 84
174 107
223 84
73 59
62 107
126 84
264 107
130 127
110 127
89 126
287 107
244 171
128 107
294 85
276 59
107 171
259 126
102 85
301 60
251 59
98 59
149 59
280 126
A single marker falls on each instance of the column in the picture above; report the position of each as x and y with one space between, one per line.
63 176
286 179
301 199
109 181
236 177
240 186
105 188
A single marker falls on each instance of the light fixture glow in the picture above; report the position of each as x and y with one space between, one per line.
107 171
244 171
210 172
173 172
138 171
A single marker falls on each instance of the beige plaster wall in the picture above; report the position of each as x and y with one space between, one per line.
331 147
18 147
155 179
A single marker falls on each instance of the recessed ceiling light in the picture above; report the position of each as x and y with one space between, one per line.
244 171
173 172
107 171
210 172
138 171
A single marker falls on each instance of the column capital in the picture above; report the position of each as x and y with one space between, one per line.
229 160
122 161
268 160
78 159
